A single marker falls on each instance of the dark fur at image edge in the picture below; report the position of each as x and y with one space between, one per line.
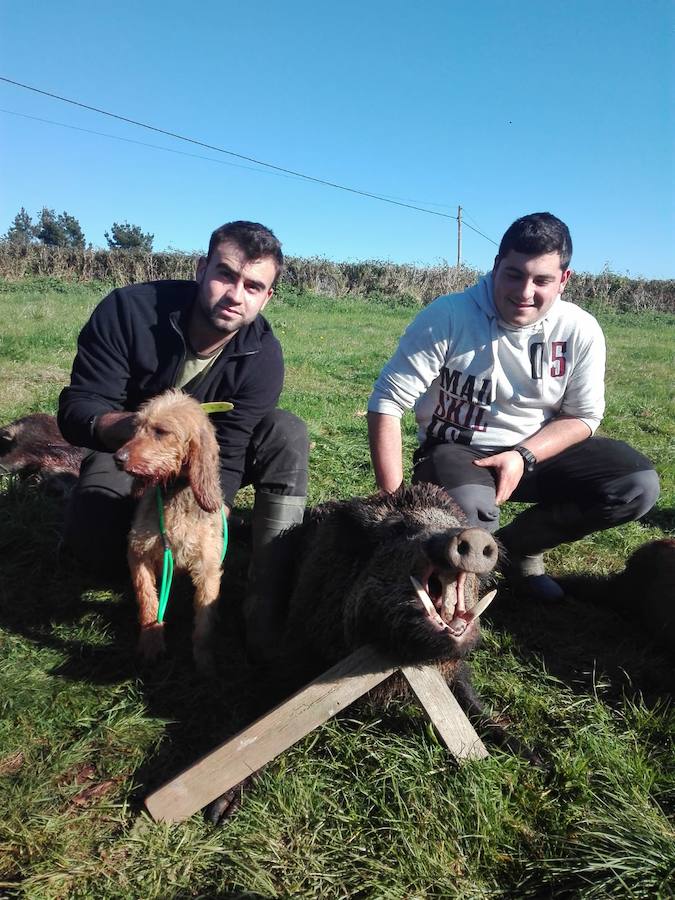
32 447
649 577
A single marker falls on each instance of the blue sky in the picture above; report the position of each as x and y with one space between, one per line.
503 107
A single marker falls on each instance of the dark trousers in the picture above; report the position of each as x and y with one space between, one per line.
589 487
100 508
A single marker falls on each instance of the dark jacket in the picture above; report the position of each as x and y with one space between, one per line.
132 348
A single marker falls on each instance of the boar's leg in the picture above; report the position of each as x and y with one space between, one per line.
227 804
488 727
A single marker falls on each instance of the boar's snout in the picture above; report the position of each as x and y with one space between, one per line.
470 550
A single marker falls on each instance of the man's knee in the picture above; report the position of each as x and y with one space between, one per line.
629 497
279 454
478 504
473 488
281 428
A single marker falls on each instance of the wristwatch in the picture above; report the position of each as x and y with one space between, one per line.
529 458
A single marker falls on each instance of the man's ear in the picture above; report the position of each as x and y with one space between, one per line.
564 279
202 262
496 263
267 299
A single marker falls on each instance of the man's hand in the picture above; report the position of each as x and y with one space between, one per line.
554 437
113 429
509 467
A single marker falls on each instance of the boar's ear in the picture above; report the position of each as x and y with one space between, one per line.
360 527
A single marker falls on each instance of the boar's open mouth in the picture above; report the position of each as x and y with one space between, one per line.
441 598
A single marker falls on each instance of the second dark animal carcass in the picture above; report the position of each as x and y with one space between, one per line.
33 447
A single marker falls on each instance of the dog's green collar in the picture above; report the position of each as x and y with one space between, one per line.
167 567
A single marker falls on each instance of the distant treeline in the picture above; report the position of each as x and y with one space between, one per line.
373 279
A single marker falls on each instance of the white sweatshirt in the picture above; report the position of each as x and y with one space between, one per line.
475 380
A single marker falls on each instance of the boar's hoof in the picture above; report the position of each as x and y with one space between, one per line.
225 806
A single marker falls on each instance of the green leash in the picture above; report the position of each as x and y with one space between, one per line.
167 567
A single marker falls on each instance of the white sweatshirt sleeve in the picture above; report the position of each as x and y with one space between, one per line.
417 361
585 395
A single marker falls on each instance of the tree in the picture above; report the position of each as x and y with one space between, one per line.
48 231
128 237
22 230
74 233
59 231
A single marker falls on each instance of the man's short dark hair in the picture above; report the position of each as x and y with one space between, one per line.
253 239
536 234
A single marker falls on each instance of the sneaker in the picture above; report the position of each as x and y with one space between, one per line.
538 587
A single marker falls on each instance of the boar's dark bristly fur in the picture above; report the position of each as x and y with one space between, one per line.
642 593
353 582
34 447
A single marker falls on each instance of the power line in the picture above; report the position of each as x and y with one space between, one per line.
251 159
221 162
470 216
116 137
198 143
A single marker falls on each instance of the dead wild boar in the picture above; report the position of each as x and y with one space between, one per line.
399 571
650 576
34 447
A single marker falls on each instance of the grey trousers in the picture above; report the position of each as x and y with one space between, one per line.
589 487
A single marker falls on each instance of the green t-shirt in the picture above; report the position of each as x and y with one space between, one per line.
195 368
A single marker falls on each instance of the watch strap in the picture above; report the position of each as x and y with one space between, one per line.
528 456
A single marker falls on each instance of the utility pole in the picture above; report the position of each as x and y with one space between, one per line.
459 236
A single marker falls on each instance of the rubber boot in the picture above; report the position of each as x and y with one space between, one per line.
270 572
537 529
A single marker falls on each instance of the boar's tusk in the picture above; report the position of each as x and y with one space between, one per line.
483 604
426 601
424 597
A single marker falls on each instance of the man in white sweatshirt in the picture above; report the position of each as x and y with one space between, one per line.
507 383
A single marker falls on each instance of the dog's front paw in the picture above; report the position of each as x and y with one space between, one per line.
151 642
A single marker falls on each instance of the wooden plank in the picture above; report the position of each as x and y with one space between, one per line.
455 730
270 735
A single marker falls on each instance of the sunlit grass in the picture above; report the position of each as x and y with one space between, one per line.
369 805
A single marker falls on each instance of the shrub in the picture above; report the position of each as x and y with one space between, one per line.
402 283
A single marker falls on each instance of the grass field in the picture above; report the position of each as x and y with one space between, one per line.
369 805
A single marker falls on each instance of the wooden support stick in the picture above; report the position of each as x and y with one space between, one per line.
276 731
455 730
269 736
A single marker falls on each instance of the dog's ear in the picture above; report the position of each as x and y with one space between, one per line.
203 468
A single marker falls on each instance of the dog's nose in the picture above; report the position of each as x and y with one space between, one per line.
121 457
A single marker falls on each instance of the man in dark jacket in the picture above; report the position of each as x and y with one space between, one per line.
207 337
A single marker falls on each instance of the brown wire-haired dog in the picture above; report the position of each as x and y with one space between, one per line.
175 446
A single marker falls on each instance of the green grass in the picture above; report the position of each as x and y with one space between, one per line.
369 805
